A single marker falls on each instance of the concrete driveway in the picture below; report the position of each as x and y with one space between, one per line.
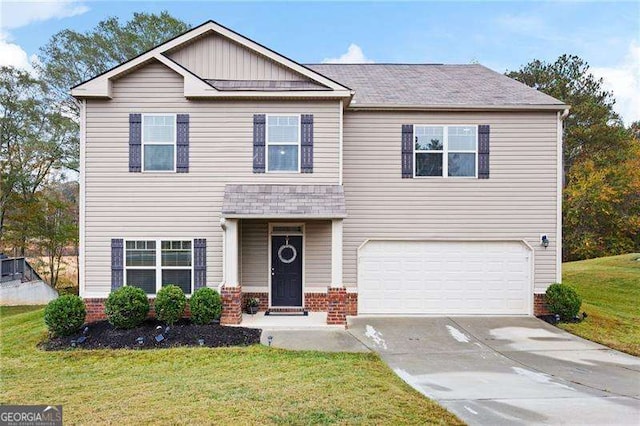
496 370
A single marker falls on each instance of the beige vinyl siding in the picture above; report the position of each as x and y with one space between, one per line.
517 202
120 204
216 57
254 249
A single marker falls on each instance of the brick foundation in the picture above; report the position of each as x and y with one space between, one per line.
337 306
313 302
95 309
231 305
540 304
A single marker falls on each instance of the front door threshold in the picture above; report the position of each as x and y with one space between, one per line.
283 312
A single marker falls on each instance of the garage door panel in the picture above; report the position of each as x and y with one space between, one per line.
439 277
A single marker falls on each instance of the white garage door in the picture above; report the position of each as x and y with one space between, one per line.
448 278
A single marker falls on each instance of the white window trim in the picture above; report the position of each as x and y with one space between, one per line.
158 266
444 151
174 143
267 143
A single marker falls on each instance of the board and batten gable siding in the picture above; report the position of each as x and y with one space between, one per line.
216 57
254 253
120 204
518 201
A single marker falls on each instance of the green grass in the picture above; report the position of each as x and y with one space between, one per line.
610 291
253 385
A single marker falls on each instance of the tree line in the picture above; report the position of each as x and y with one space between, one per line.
39 143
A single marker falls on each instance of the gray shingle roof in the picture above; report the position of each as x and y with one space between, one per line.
432 85
284 201
265 85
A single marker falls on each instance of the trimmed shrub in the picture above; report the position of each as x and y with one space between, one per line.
65 315
563 300
127 307
170 303
205 306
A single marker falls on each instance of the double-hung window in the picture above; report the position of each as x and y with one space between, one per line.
283 143
446 151
153 264
159 142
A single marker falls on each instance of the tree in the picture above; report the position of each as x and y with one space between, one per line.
592 129
36 138
54 225
71 57
601 208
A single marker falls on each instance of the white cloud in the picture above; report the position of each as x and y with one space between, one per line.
16 14
354 55
12 54
624 80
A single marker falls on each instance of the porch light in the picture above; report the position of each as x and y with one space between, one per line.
544 240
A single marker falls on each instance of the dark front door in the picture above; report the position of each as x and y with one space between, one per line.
286 270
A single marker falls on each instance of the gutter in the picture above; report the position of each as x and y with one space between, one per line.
457 107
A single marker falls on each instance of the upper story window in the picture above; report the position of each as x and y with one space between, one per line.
446 151
283 143
159 142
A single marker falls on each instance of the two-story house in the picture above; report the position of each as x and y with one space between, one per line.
396 189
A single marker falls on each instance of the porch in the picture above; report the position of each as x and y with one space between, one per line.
282 245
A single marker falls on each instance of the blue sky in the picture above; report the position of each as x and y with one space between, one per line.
502 35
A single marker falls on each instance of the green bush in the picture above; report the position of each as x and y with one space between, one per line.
65 315
563 300
127 307
170 303
205 306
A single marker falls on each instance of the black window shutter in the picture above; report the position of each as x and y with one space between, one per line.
306 154
135 142
407 151
182 143
483 151
199 263
259 122
117 265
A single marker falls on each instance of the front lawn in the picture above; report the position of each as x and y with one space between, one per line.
253 385
610 290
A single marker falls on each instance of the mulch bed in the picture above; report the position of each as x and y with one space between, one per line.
102 335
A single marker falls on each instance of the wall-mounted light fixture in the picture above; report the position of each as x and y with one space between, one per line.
544 240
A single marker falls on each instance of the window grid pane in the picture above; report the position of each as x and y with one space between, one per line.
179 277
462 164
429 138
429 164
142 278
176 253
283 129
159 128
283 158
158 157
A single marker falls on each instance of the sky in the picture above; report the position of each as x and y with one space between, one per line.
502 35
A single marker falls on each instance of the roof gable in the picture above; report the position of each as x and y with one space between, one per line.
194 84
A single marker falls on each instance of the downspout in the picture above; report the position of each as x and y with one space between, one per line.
82 201
559 188
340 143
223 225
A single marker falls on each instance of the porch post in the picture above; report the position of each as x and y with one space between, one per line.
231 253
231 292
336 293
336 253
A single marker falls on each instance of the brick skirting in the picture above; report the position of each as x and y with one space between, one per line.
313 302
95 309
540 304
